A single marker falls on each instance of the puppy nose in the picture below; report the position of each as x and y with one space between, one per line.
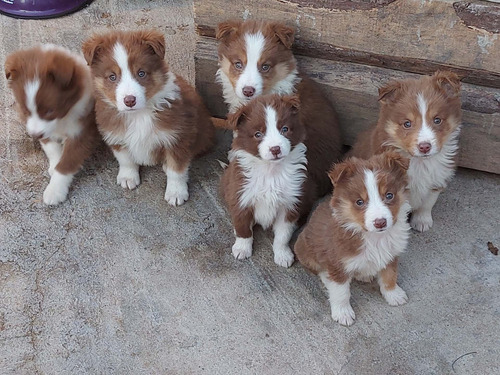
424 147
129 101
380 223
248 91
275 150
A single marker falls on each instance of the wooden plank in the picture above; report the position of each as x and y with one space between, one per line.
353 89
411 35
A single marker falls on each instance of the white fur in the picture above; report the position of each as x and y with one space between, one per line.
271 186
378 249
283 231
250 76
339 296
426 133
426 174
127 84
376 209
176 192
394 297
57 189
128 173
242 247
273 138
142 136
54 151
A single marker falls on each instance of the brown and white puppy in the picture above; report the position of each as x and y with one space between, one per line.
53 90
255 58
360 232
419 118
146 113
271 179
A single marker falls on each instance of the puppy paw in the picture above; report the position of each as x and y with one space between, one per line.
421 222
54 194
343 314
396 296
128 178
242 248
283 256
176 193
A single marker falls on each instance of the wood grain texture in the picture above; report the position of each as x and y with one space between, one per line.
353 88
411 35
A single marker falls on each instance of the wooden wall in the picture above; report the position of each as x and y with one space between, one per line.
353 47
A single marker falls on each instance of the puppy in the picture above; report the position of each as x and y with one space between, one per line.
146 113
360 232
255 58
271 180
419 118
53 91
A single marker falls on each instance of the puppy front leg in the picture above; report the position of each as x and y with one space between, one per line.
339 295
54 151
128 173
421 218
176 192
243 225
387 280
283 231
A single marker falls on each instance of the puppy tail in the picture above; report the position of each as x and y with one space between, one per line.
221 123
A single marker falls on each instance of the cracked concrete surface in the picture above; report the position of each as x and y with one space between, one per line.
119 282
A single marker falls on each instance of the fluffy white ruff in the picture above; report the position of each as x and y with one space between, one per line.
142 136
270 186
378 249
57 189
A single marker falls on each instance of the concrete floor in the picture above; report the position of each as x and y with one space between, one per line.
118 282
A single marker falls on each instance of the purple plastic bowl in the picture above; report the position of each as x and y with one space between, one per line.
40 8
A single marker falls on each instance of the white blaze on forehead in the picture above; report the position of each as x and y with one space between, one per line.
35 125
31 89
376 209
251 76
128 85
273 137
426 134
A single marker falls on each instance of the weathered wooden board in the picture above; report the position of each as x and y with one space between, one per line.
408 35
353 88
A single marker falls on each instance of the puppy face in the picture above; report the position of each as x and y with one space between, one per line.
368 194
268 127
255 55
128 67
419 115
46 83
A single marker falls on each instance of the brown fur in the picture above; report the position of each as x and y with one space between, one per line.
399 104
324 244
62 84
188 116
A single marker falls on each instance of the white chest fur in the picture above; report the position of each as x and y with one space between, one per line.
379 249
269 186
433 172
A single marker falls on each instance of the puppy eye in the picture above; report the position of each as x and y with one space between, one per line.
389 196
284 130
141 73
266 67
360 202
258 135
238 65
437 120
407 124
112 77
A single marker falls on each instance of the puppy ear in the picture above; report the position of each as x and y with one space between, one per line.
396 160
284 33
293 101
390 92
156 41
62 70
341 171
91 48
235 119
448 82
224 29
11 67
